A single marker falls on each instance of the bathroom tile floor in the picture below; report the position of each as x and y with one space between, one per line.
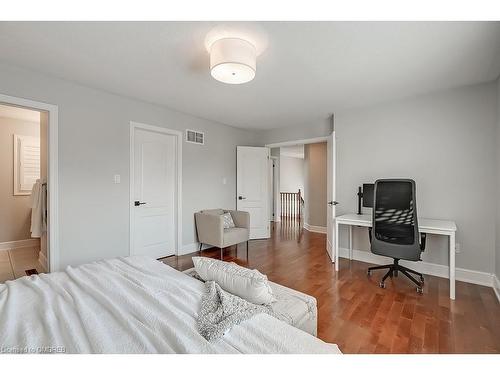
15 262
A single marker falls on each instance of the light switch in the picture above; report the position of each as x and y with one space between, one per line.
224 181
117 178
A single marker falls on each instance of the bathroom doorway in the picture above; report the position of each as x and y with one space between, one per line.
23 191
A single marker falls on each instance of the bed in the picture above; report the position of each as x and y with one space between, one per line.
297 309
128 305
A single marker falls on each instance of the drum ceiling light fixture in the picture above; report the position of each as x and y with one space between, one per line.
233 60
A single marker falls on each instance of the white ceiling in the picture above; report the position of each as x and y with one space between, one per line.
19 113
306 71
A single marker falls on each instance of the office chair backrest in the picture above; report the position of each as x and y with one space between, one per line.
395 224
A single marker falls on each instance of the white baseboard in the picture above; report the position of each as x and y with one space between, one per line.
461 274
195 247
496 286
191 248
314 228
18 244
42 259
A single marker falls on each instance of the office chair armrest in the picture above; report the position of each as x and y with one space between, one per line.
423 237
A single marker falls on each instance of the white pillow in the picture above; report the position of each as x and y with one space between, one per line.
228 220
248 284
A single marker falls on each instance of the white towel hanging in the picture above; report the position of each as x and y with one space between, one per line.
38 209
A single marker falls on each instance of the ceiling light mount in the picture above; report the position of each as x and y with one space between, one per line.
233 60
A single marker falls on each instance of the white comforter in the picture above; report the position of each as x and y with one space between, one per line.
128 305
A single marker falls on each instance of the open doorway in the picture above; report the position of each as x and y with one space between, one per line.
300 186
23 191
319 204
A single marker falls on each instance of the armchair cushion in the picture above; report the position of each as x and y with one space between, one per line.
228 220
233 236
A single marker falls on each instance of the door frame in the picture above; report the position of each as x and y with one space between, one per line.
331 232
53 250
330 164
275 188
306 141
178 190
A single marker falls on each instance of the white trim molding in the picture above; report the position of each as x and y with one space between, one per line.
42 259
314 228
137 125
439 270
30 242
195 247
192 248
53 174
496 287
298 142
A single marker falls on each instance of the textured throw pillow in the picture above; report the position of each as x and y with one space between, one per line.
248 284
228 220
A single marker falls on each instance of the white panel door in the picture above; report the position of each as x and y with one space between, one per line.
253 188
154 193
331 202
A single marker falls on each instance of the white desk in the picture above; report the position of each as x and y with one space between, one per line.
442 227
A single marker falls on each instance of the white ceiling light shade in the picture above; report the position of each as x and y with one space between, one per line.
233 60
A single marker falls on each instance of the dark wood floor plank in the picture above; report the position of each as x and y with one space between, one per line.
358 315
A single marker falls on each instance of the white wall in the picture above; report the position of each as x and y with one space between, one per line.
94 145
15 210
446 142
319 128
291 174
315 172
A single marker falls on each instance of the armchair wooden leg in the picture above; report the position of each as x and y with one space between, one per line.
201 245
221 254
247 250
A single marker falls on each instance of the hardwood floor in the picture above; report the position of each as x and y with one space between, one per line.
360 317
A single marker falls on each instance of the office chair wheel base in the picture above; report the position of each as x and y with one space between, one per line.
382 285
420 290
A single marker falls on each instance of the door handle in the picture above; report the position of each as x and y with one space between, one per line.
137 203
333 203
241 198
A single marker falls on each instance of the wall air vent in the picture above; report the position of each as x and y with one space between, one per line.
193 136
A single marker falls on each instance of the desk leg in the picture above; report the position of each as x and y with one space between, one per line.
336 245
452 265
350 242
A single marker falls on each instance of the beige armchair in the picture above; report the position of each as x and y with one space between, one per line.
210 228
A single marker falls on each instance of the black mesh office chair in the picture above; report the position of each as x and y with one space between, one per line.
394 230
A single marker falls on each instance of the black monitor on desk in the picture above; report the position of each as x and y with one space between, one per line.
365 195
